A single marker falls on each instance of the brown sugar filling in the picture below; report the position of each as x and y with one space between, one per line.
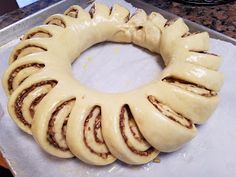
170 22
170 113
204 52
64 127
20 99
32 48
96 128
137 135
17 70
190 34
51 132
39 33
73 13
92 11
34 103
57 22
191 87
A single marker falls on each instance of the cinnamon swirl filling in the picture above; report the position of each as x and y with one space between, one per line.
35 68
73 13
48 85
191 87
170 113
92 11
57 21
204 52
92 133
56 133
38 34
170 22
34 103
26 50
190 34
131 134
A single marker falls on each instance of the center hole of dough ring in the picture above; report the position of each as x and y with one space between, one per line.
114 67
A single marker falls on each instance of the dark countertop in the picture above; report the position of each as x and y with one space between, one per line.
221 18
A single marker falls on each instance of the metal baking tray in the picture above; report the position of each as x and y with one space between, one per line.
15 30
9 34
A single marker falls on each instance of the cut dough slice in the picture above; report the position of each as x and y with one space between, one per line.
84 135
25 98
123 137
208 60
100 11
77 12
164 128
43 31
49 127
19 71
191 104
195 42
30 47
177 44
198 76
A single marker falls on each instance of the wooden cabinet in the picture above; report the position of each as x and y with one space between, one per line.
3 162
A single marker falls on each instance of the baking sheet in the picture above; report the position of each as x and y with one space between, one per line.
211 153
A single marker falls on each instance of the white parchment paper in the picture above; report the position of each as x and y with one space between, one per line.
114 68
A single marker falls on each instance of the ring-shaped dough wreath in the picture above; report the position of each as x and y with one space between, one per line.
67 119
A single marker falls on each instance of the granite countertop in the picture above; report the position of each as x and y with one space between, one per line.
221 18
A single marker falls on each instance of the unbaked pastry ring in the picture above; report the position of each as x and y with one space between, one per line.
68 119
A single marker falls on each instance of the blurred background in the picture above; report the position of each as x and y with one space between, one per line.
22 3
10 5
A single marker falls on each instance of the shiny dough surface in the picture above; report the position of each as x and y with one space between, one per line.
67 119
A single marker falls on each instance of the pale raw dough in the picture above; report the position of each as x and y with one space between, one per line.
67 119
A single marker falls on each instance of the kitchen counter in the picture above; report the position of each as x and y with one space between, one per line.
221 18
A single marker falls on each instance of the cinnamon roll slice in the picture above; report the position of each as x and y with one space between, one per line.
178 44
19 71
43 31
57 20
205 59
170 22
62 21
164 128
73 11
191 87
157 20
26 50
24 100
170 113
38 34
200 79
99 11
28 47
197 104
119 13
144 32
77 12
123 137
49 127
84 135
170 37
196 41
